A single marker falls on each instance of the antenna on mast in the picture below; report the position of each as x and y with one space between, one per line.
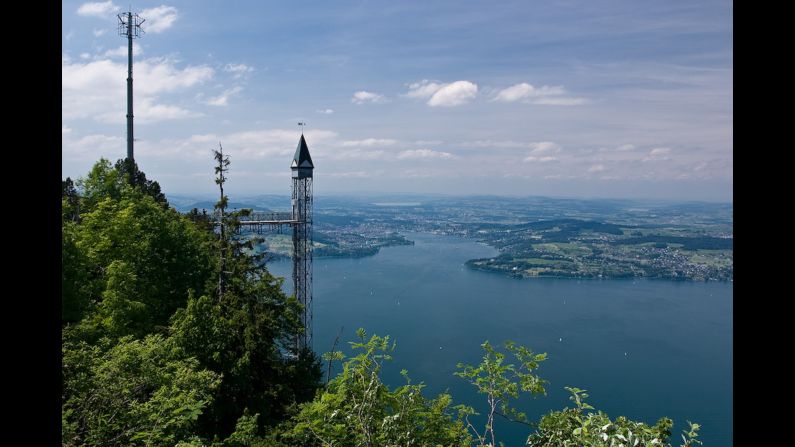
130 27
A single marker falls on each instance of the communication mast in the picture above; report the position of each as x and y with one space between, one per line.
130 27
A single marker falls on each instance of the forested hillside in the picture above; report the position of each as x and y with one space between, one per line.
175 335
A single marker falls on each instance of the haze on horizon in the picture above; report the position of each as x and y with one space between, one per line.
615 99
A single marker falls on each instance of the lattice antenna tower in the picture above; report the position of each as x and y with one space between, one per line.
302 168
130 27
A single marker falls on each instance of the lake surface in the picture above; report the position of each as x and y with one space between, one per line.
642 348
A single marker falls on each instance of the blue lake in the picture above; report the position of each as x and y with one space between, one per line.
642 348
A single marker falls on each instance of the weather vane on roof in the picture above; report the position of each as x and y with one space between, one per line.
302 124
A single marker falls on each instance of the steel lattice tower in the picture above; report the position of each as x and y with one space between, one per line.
300 220
302 168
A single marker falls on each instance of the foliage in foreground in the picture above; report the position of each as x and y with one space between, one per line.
358 409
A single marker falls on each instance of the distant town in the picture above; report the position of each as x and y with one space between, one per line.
535 236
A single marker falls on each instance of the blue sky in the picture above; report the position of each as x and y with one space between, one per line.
619 99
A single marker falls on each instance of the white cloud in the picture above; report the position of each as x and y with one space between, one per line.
325 111
98 9
223 98
122 51
596 168
238 70
493 143
545 147
370 142
659 151
85 56
147 111
65 129
246 145
423 89
91 147
514 93
625 147
159 19
359 154
350 174
441 94
362 97
560 101
533 158
657 154
545 95
99 32
454 94
95 89
424 154
525 91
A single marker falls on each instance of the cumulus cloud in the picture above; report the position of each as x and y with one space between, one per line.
359 154
159 19
596 168
496 143
625 147
122 51
350 174
545 95
545 147
428 142
223 98
99 32
657 154
362 97
238 70
370 142
445 95
659 151
95 89
325 111
533 158
454 94
91 147
424 154
560 101
249 145
423 89
97 9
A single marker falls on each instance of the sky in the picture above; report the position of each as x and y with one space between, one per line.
589 99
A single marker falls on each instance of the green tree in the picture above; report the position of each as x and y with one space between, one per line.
133 268
357 408
137 393
586 427
500 382
75 276
136 178
163 253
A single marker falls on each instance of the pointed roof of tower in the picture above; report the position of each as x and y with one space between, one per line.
302 159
